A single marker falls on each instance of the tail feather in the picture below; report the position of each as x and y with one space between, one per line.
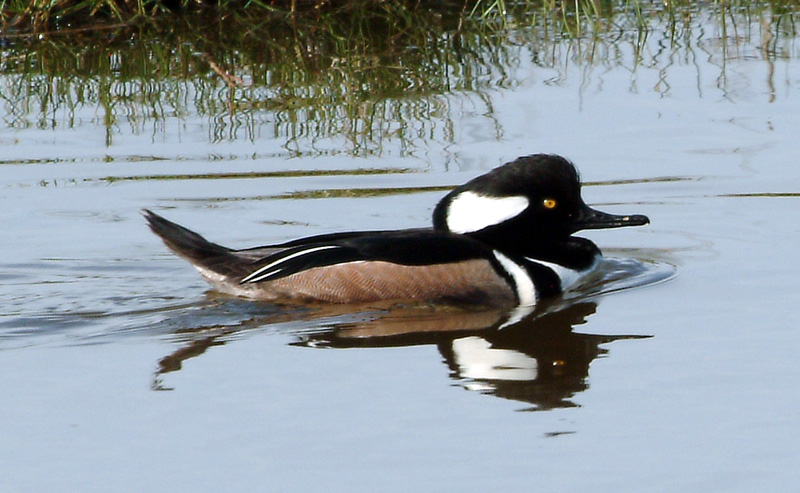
202 253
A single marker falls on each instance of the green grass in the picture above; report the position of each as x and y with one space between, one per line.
343 75
365 75
575 17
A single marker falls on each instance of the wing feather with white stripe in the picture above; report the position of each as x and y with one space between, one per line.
298 259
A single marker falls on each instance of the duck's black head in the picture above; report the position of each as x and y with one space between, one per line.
527 206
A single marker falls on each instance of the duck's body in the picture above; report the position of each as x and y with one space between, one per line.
416 264
502 239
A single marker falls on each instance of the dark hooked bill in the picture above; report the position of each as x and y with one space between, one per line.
593 219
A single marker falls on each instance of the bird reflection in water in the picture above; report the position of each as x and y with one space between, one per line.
536 358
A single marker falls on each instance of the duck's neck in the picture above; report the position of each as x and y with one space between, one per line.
574 253
571 252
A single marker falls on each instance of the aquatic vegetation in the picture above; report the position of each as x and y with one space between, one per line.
331 77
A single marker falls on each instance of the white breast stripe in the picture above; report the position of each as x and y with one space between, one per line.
569 277
470 212
526 291
257 275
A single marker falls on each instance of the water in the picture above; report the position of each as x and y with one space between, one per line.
674 370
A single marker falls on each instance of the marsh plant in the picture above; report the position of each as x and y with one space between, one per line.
330 77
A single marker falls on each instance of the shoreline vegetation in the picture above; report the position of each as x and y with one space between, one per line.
24 18
400 22
21 17
329 76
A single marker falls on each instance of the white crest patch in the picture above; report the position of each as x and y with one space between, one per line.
470 212
526 291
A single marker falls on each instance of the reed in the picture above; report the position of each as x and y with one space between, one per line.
19 17
322 77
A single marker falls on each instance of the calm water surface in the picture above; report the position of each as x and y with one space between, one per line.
675 370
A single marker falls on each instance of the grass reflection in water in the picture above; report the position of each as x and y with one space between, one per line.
349 78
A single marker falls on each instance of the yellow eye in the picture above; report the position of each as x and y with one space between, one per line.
549 203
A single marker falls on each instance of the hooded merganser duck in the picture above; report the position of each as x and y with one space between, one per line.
502 239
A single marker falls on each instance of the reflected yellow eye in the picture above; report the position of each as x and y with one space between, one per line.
549 203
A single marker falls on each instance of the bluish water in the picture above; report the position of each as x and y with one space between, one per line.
675 370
